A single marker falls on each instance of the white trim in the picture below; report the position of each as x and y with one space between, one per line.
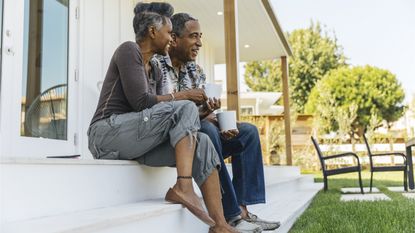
12 68
9 71
35 161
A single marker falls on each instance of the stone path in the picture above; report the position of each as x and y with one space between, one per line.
357 190
353 194
400 190
365 197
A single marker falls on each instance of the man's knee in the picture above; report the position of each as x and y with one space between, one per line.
249 129
209 128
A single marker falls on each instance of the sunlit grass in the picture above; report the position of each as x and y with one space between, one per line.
328 214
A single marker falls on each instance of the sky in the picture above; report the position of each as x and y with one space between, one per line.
380 33
54 44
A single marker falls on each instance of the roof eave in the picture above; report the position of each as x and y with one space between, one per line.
272 16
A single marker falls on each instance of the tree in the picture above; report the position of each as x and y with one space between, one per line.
374 92
413 104
314 54
263 75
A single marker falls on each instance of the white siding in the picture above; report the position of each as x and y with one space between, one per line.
206 60
104 26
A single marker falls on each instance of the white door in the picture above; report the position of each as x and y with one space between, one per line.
39 86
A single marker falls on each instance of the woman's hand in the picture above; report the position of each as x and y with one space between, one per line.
196 95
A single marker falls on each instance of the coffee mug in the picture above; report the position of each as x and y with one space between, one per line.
227 120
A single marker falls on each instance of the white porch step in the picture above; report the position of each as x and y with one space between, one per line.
33 188
287 198
286 202
155 216
71 195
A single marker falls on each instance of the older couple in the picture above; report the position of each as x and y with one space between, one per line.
152 109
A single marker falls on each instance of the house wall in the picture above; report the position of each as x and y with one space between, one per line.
103 26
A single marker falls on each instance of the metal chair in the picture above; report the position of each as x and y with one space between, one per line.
388 168
336 171
46 116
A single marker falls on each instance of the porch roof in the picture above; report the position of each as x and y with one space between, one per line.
258 27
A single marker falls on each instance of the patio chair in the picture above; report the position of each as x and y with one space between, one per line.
336 171
46 116
388 168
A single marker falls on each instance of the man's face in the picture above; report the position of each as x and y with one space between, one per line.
186 47
162 43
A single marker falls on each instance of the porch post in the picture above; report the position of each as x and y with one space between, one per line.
232 54
287 117
34 64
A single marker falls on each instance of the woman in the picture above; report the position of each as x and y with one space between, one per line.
133 122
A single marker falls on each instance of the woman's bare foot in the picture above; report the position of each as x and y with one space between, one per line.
188 193
187 197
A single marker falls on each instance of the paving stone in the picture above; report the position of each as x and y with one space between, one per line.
399 189
365 197
357 190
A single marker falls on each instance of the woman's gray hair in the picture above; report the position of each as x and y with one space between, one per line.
145 20
148 15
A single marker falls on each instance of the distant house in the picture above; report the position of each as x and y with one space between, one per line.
258 103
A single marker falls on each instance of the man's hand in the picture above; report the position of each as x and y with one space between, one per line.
212 119
226 134
230 134
214 103
208 107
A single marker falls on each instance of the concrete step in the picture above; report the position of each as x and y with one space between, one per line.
286 202
33 188
37 188
286 199
154 216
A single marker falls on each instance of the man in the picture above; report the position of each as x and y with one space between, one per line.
247 186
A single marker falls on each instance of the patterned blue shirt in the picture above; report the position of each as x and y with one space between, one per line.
189 76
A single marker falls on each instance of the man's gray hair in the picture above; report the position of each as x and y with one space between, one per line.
178 21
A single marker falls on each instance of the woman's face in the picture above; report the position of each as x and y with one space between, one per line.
163 38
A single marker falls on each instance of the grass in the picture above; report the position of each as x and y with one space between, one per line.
327 214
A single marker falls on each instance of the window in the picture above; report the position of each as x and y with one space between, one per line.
45 69
247 110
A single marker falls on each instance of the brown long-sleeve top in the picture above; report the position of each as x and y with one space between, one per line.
127 87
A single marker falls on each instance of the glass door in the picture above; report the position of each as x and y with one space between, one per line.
43 40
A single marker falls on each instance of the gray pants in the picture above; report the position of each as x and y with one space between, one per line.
151 135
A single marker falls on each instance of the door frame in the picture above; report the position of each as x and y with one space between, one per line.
14 145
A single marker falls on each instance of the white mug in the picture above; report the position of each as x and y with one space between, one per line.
227 120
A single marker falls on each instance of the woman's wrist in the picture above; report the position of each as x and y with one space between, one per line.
173 98
178 96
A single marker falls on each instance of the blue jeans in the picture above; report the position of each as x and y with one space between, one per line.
247 186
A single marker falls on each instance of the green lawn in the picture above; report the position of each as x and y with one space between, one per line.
327 214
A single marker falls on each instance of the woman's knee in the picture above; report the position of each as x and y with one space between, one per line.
186 106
